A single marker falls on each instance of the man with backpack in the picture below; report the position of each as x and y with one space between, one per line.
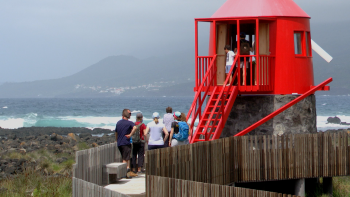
138 142
245 49
179 131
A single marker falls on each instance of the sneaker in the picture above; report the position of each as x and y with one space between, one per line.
132 174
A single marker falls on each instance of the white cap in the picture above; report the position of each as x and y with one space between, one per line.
155 115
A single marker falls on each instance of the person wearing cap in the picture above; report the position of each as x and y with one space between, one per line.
155 128
245 73
138 149
168 118
175 129
124 130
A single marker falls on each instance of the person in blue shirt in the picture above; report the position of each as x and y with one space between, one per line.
124 130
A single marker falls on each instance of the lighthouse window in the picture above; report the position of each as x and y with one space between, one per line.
297 43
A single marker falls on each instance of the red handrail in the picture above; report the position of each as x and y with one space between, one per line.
207 136
206 78
286 106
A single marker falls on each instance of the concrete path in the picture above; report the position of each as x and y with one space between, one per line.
135 186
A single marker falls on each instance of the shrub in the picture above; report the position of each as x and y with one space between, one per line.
83 146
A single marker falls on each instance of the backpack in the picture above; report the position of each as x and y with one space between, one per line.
183 132
136 136
245 48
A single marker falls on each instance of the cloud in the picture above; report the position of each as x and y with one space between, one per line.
50 39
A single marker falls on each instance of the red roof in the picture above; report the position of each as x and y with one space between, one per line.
259 8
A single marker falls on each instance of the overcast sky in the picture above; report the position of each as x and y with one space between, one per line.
46 39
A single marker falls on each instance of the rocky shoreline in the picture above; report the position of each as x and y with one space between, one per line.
36 131
56 141
17 146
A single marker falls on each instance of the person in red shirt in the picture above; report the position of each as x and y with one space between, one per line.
139 147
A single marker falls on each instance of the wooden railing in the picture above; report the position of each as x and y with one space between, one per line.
87 171
254 158
163 186
83 188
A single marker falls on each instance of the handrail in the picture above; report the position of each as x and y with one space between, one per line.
286 106
207 136
199 91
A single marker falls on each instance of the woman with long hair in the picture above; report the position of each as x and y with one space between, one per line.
155 128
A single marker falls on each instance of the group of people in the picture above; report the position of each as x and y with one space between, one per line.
135 138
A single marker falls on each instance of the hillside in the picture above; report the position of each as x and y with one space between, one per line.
113 75
174 75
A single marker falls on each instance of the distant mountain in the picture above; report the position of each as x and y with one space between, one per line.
174 75
113 75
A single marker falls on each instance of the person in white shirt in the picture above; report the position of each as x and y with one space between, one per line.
230 56
155 128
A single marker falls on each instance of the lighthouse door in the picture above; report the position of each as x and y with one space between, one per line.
264 39
264 54
221 55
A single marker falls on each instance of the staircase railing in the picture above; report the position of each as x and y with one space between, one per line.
224 93
206 81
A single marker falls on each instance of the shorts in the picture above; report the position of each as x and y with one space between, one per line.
228 67
125 151
153 147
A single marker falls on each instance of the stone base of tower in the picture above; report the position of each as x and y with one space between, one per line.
247 110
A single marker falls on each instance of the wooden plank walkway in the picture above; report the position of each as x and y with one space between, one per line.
90 162
88 171
83 188
254 158
169 187
205 168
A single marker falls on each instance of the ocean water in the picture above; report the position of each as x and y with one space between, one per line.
105 112
83 112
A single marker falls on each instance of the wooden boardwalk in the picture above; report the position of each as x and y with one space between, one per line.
167 187
206 168
87 171
254 158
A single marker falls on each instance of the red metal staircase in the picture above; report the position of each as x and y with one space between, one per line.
213 117
218 107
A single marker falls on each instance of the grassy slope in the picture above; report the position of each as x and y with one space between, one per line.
36 182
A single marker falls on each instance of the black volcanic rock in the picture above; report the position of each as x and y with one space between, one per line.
29 132
334 120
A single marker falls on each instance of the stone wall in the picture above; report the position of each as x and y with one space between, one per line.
300 118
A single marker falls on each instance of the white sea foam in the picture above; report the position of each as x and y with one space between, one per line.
5 107
323 125
92 122
11 123
136 111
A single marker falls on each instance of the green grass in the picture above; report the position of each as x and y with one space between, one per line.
341 186
83 146
40 185
34 181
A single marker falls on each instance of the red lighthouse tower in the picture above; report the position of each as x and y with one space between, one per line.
280 61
